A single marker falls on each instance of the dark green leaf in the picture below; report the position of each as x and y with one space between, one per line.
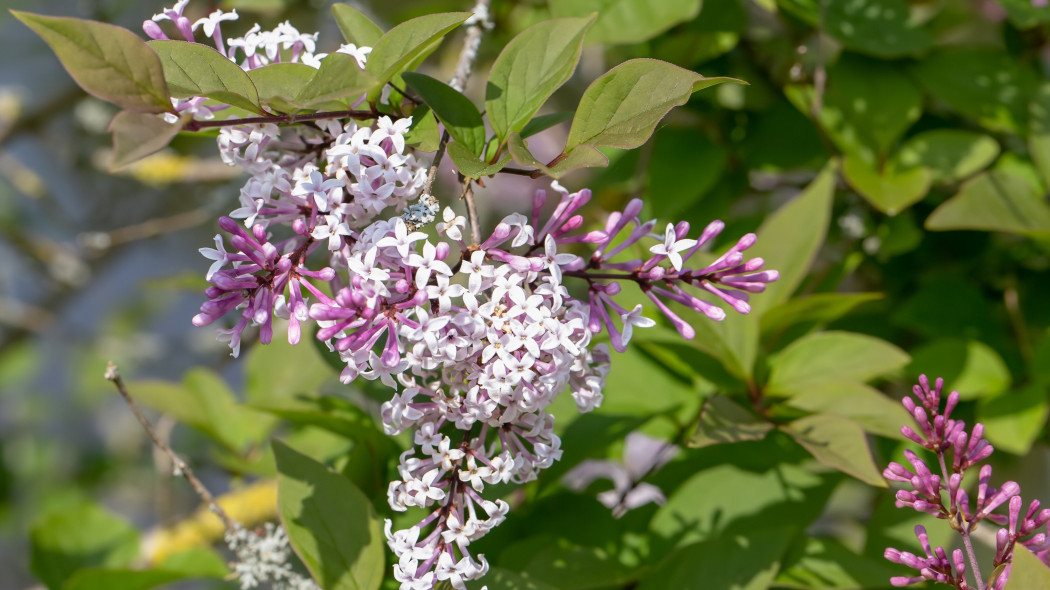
469 165
570 567
787 249
994 201
501 579
1014 420
684 166
1039 131
724 421
356 27
891 189
401 45
883 28
987 85
622 107
544 122
338 79
278 84
460 117
330 523
838 443
120 579
1025 14
137 135
738 563
951 155
970 367
107 61
529 69
820 307
192 69
424 134
831 357
627 21
827 564
330 413
79 536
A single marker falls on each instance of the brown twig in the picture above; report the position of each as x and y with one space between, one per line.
180 466
472 210
195 125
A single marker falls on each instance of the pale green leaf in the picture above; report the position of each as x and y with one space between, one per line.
530 68
403 44
839 443
827 564
951 155
622 107
137 135
583 156
193 69
356 27
469 165
831 357
120 579
107 61
1027 571
280 83
79 536
330 523
628 21
994 201
890 189
338 79
875 412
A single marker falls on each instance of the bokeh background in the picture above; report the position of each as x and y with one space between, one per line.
97 266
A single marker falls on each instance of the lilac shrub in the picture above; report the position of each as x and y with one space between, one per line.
942 495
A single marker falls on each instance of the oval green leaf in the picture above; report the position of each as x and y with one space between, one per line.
469 165
79 536
401 45
338 79
120 579
330 523
628 21
839 443
831 357
951 155
460 117
529 69
355 26
883 28
192 69
280 83
107 61
137 135
890 189
1027 571
994 201
623 106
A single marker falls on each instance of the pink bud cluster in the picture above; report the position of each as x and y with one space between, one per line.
946 437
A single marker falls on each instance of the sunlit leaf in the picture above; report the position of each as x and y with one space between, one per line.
107 61
724 421
79 536
330 523
530 68
338 79
627 21
830 357
279 84
838 443
582 157
737 563
951 155
137 135
883 28
1014 420
120 579
1028 571
1039 131
469 165
460 117
193 69
356 27
994 201
890 189
403 44
875 412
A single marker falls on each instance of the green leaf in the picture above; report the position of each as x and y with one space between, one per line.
622 107
120 579
573 567
874 411
530 68
831 357
827 564
582 157
1014 420
279 371
501 579
838 443
460 117
868 105
1039 131
79 536
205 402
338 79
356 27
330 523
951 155
469 165
737 563
330 413
784 244
280 83
193 69
891 189
820 308
990 86
137 135
1027 571
199 562
401 45
424 134
724 421
883 28
107 61
1025 14
970 367
994 201
544 122
627 21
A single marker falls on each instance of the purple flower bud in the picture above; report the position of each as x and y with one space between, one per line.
153 30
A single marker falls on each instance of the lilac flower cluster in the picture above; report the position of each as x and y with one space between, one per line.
475 340
944 435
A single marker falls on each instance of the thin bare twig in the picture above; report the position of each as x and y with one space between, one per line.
180 466
472 210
